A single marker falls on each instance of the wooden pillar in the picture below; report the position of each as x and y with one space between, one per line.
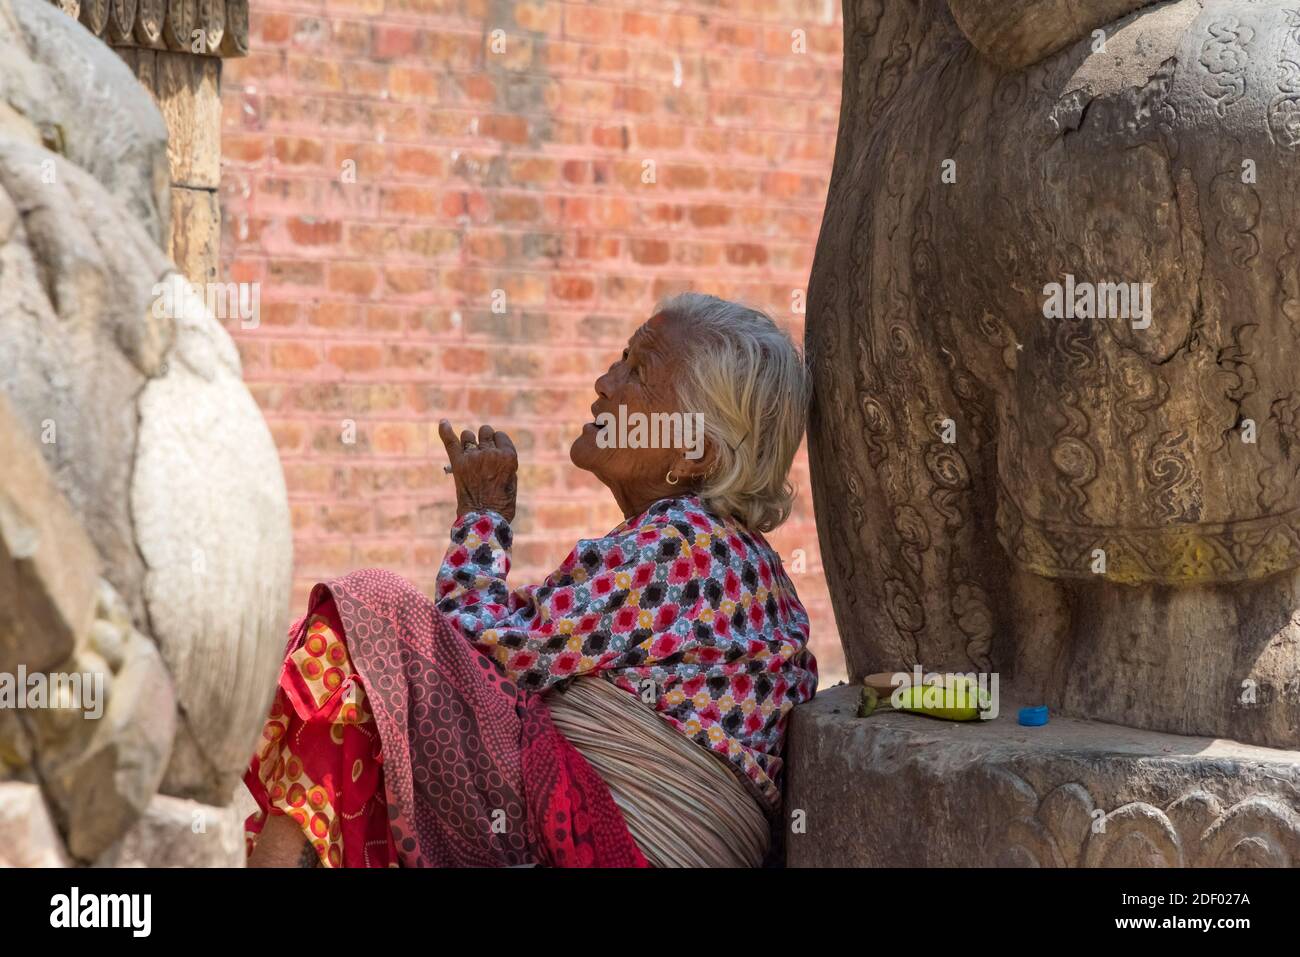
175 48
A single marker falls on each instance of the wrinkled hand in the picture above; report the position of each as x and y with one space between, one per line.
485 467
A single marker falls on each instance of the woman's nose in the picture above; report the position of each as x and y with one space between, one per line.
602 386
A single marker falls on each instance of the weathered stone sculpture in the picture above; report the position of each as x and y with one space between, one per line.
1100 503
144 529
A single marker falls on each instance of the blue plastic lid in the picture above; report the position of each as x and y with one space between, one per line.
1034 717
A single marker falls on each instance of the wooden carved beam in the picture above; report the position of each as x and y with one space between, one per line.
216 28
121 21
94 14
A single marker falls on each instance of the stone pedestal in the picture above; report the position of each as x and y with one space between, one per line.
903 790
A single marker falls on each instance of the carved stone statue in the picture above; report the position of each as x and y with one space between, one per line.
1054 319
1101 505
145 545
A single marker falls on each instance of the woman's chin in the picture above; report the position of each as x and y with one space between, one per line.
582 451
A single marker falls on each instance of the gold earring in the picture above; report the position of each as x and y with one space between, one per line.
669 478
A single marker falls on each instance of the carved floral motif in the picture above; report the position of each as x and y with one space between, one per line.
1066 828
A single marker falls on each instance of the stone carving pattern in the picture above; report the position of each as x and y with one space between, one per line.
1064 829
1284 109
1223 56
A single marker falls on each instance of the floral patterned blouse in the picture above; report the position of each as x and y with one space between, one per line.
679 606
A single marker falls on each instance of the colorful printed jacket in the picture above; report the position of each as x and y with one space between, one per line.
677 605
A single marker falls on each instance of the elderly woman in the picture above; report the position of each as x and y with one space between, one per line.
628 710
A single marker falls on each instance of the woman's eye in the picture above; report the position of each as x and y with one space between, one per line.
625 355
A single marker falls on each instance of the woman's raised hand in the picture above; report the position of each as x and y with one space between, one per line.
485 467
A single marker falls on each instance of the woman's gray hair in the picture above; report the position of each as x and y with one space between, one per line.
748 380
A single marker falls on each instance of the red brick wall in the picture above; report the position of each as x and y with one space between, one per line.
521 170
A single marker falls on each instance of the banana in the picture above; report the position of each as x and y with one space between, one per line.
958 698
964 702
867 704
954 697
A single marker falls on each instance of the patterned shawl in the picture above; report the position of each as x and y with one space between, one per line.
475 772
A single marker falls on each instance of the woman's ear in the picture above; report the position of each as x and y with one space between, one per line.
695 461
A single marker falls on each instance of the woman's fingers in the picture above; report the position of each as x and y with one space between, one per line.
485 466
458 446
449 441
504 443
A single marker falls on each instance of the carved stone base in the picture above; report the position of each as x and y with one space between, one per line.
898 789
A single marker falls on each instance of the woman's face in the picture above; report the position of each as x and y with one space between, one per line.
643 381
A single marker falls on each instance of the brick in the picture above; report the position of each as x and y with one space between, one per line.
271 28
684 177
649 252
462 360
412 83
540 17
710 215
573 287
634 99
423 8
590 21
293 356
243 149
637 23
410 201
332 315
418 161
746 254
533 171
399 438
310 231
314 73
406 280
504 128
349 38
343 519
299 151
356 358
392 42
358 279
515 208
281 314
477 88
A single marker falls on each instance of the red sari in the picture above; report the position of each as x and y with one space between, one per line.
394 742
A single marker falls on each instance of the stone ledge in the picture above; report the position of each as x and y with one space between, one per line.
905 790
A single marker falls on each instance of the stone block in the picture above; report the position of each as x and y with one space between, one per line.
48 566
902 790
100 774
28 837
174 832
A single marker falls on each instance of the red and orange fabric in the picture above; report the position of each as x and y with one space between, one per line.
320 759
393 742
